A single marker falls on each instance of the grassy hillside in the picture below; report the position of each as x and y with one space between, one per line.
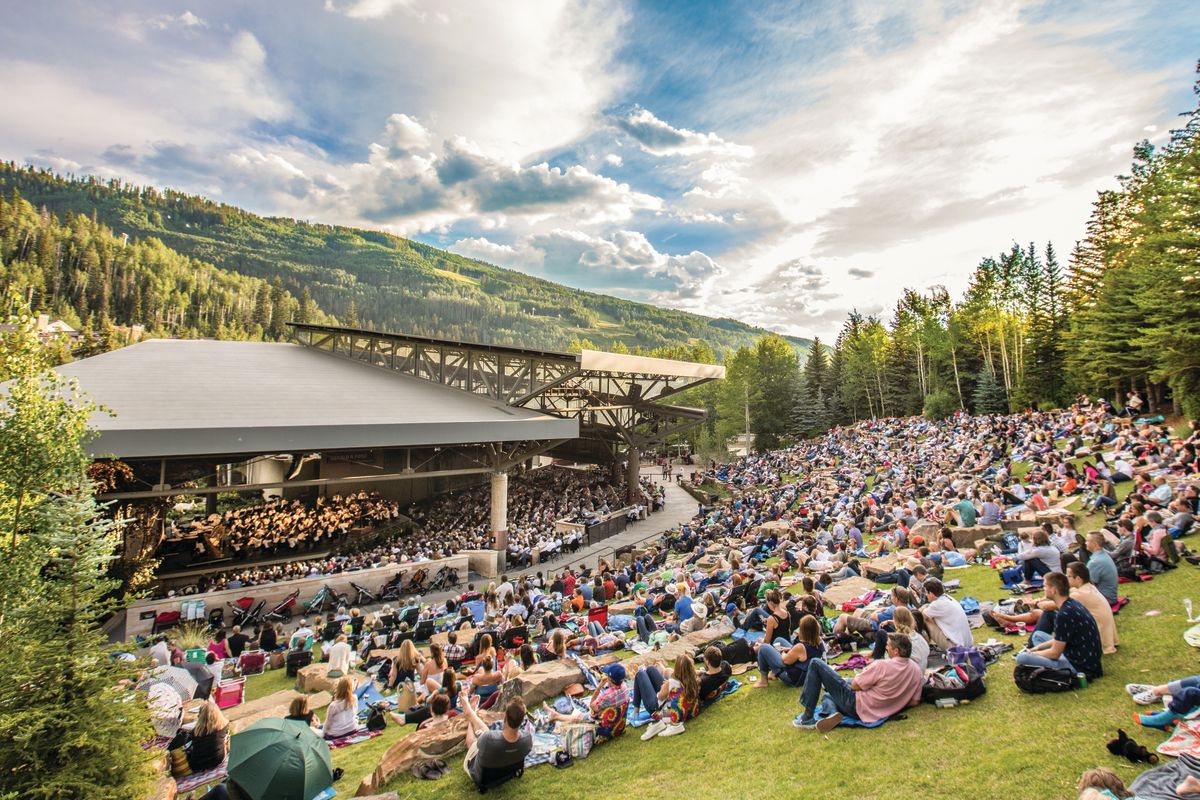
380 280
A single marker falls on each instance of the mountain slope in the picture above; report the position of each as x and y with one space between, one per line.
384 281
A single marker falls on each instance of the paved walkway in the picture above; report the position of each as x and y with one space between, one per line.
680 507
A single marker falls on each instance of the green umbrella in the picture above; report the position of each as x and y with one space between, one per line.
280 759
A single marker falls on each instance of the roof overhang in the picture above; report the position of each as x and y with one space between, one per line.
174 398
624 364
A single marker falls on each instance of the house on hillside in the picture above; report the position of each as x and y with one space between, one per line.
47 328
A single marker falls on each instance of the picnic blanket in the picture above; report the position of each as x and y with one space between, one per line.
636 718
360 735
198 779
1185 740
828 709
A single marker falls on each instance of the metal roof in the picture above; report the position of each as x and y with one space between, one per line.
627 364
202 397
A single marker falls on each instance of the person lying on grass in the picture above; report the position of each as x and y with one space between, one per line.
1104 784
1185 698
446 699
879 691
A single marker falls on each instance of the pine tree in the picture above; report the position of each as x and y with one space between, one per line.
351 315
69 726
989 397
280 309
305 312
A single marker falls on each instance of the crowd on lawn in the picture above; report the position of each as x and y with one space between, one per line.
801 521
442 526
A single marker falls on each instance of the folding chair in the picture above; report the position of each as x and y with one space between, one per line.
252 662
599 614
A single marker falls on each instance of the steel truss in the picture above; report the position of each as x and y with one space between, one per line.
615 406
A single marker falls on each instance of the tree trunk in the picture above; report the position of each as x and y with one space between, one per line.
957 383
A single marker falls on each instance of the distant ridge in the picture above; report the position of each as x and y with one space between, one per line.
375 279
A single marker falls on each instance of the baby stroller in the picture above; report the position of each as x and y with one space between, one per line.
416 582
393 589
282 611
246 612
363 597
324 599
446 578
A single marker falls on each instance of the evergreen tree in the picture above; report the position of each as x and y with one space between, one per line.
989 396
70 727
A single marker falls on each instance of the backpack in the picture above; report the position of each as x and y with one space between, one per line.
967 655
962 682
1040 680
376 719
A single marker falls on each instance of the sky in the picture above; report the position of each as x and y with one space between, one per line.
778 163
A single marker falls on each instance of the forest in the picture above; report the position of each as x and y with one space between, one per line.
1121 314
64 234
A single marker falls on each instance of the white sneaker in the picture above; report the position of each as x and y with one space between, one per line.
1135 689
654 729
672 730
1146 698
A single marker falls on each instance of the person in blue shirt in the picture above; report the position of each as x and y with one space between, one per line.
683 608
1101 567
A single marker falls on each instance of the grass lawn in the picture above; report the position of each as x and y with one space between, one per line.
1004 744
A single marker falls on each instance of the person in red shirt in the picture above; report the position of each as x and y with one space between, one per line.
568 583
610 588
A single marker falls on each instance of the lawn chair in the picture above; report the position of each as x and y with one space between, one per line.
252 662
491 777
599 614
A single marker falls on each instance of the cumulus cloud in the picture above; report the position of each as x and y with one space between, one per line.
661 139
911 141
624 262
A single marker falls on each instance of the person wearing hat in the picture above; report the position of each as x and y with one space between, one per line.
608 707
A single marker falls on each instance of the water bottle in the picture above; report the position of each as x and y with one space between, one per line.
1081 680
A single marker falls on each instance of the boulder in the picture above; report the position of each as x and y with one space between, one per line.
684 645
966 537
848 589
315 678
441 741
540 682
878 566
926 529
164 788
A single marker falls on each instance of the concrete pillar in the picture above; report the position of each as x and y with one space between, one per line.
499 511
210 499
634 492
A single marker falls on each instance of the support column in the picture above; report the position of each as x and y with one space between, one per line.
210 499
633 490
499 524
